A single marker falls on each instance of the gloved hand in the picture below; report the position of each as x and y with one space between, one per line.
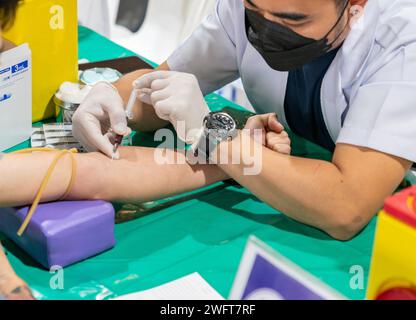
273 134
102 110
176 98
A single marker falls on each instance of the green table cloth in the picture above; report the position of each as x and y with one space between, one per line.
205 234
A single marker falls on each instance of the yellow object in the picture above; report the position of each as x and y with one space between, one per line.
51 29
394 259
45 181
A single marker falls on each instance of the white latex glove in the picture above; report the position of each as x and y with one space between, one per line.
102 110
176 98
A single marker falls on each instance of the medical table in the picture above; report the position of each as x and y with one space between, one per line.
206 234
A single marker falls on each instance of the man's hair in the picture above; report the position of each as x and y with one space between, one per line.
8 12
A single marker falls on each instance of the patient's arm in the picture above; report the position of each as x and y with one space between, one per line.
136 177
11 286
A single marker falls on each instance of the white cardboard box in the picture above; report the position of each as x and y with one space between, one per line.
15 96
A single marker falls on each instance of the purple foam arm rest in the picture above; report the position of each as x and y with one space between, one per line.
62 233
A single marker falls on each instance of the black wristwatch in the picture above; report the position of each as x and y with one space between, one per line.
217 127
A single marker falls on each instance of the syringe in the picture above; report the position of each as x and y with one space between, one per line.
130 104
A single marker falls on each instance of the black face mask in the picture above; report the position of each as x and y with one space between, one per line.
282 48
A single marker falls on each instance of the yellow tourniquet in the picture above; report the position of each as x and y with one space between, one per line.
60 154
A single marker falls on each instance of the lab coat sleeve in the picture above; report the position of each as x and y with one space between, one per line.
210 52
382 116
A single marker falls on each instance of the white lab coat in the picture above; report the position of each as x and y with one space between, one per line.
368 95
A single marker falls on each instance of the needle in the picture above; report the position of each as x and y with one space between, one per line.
129 115
117 143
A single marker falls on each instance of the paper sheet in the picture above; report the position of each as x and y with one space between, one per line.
192 287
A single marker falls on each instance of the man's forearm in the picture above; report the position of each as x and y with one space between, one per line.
317 193
144 116
136 177
294 186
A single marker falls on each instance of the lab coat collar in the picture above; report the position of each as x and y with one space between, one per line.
357 47
347 67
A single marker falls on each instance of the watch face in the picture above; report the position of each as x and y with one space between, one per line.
221 121
220 125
